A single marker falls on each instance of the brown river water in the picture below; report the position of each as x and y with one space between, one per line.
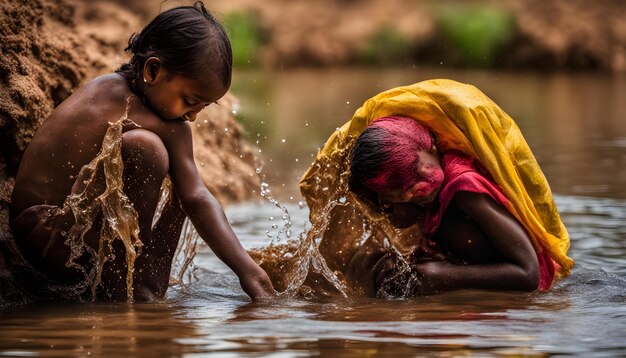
576 126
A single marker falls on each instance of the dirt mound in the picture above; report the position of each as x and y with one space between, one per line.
40 63
571 34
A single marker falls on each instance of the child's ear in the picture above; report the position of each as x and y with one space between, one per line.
151 69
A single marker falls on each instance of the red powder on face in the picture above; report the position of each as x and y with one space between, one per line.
404 140
432 179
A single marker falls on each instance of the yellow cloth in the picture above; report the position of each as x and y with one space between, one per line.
463 119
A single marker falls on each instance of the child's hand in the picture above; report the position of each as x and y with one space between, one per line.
395 279
361 271
258 285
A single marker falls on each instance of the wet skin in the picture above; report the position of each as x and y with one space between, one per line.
71 137
485 246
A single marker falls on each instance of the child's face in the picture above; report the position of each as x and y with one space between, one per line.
424 191
176 97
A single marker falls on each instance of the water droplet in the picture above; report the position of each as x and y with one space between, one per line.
271 218
282 140
234 109
343 199
258 170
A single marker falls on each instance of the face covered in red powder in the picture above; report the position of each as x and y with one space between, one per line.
412 172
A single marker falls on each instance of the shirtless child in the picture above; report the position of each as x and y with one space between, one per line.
181 62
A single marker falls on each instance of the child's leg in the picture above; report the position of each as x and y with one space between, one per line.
146 164
157 253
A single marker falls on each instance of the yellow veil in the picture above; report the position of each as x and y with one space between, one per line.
463 119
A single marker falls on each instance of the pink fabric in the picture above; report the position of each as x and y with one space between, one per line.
462 173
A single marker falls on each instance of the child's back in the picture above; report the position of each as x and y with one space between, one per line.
70 138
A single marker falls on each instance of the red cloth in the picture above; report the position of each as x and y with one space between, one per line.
462 173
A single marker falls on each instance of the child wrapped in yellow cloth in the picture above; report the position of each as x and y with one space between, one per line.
468 203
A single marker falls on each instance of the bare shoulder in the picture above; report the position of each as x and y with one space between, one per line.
109 89
111 82
471 203
101 97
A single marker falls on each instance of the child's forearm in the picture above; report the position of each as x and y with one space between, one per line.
445 276
212 225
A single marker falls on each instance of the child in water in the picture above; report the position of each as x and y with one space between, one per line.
434 189
181 62
396 166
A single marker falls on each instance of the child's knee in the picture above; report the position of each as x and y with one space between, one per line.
144 149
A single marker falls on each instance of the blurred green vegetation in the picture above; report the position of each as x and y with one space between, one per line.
477 33
385 46
246 37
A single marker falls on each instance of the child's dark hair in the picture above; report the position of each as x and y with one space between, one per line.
188 40
366 160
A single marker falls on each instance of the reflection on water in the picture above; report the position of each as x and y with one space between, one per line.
584 315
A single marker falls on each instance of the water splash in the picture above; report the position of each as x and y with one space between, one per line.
182 265
99 192
266 194
318 262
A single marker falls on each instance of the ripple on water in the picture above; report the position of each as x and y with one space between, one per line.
583 315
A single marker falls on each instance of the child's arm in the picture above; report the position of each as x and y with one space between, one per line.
519 269
210 221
